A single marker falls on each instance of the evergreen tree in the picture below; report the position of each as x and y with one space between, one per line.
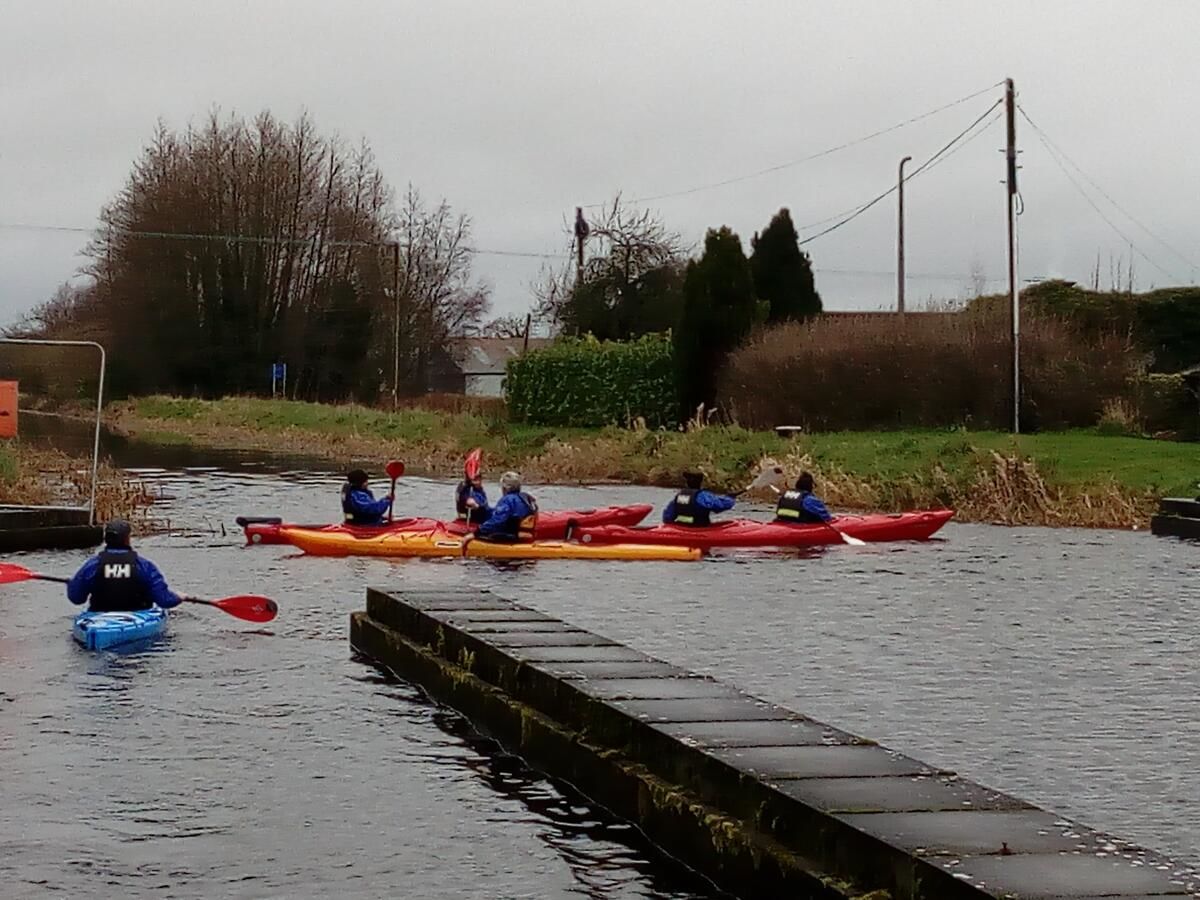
783 273
719 309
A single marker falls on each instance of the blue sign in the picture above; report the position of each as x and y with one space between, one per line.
279 371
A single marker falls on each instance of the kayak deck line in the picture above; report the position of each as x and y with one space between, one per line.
439 542
765 801
103 630
551 524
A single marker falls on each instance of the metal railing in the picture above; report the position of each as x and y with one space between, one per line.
99 405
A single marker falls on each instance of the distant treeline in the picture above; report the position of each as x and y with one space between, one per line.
241 243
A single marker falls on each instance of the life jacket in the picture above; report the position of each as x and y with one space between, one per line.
688 511
790 508
528 525
119 585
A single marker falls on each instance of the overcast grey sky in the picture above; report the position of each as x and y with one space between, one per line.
517 112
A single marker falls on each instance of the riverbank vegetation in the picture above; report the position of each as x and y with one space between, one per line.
1076 477
39 476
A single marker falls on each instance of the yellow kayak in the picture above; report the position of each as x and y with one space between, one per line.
440 542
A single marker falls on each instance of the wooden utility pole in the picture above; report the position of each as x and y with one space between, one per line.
900 241
581 232
1010 155
396 324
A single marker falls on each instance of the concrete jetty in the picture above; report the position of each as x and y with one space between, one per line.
46 528
765 801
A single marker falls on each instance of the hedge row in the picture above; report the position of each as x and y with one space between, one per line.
583 382
1166 402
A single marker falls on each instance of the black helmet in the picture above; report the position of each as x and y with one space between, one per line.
693 480
116 533
356 477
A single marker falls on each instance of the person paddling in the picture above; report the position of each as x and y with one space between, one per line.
358 503
470 499
118 580
514 518
693 505
801 505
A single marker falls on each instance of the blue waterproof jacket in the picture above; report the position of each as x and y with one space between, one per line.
476 514
705 500
361 507
506 517
84 582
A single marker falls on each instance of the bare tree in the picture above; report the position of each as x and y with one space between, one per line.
632 268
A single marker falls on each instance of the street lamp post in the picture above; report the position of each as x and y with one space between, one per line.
900 241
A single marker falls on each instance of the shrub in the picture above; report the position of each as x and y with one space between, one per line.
925 370
1166 403
585 382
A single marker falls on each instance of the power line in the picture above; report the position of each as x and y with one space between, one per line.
1092 203
811 225
795 162
1046 139
928 164
253 239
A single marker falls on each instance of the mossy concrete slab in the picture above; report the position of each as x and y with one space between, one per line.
561 638
764 800
498 626
822 761
896 794
589 671
770 733
656 688
961 832
700 710
606 653
1048 876
509 614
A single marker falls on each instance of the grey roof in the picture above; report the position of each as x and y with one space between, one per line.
490 356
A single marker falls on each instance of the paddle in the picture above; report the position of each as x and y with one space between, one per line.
250 607
474 463
769 476
394 469
848 538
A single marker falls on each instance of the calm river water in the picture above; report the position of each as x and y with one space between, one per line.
235 761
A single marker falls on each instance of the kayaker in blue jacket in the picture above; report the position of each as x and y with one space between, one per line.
471 502
693 505
514 517
358 503
801 505
118 580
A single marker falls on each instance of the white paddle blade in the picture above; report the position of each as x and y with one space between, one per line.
851 539
771 476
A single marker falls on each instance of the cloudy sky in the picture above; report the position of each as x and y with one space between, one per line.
518 112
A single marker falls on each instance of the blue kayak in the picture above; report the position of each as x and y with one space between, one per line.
99 631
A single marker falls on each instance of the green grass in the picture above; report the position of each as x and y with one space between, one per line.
1068 457
1074 458
9 467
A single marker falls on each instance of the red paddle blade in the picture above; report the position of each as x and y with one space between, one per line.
394 469
11 573
249 607
474 463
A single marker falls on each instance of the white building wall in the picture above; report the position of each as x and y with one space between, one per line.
484 385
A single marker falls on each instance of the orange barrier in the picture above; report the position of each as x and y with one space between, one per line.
8 409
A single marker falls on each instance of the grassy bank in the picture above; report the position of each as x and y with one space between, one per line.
1065 478
35 476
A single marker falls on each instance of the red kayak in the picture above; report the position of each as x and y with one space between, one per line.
551 525
909 526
